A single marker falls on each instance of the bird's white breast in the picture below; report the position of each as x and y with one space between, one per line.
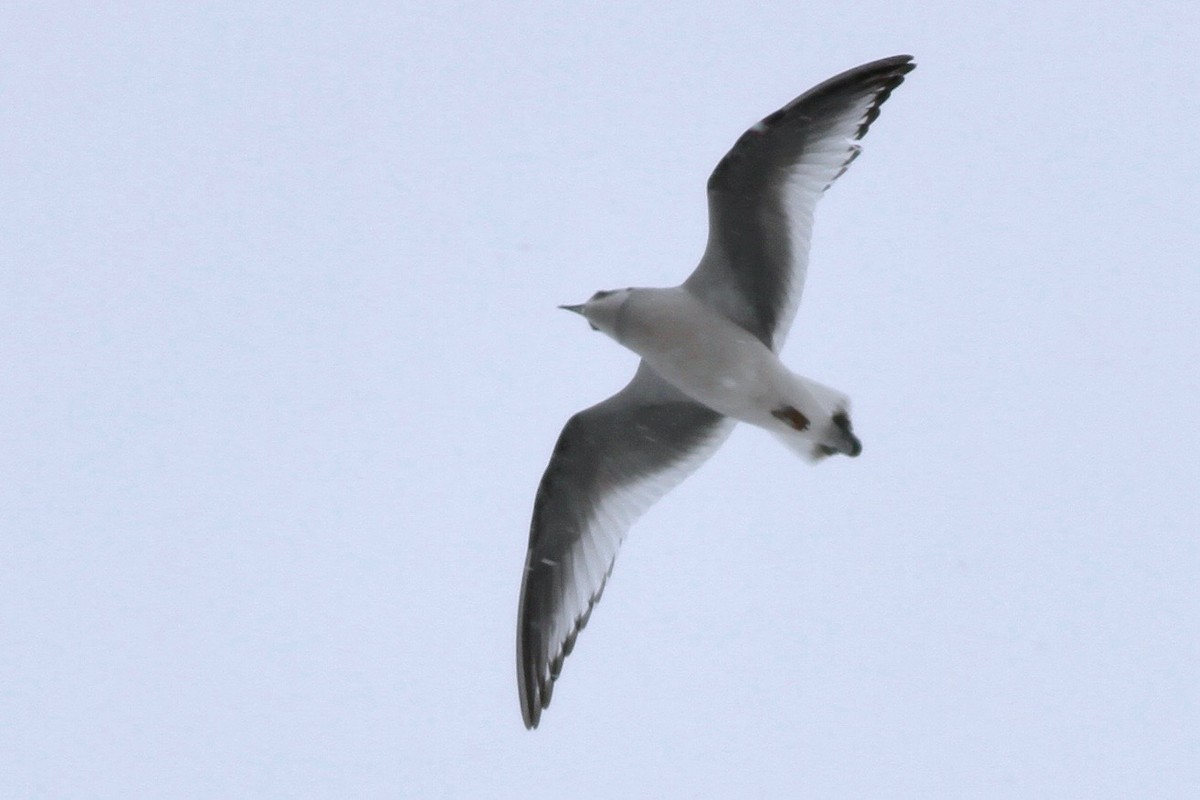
704 355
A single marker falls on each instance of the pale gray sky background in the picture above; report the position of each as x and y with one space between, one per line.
282 367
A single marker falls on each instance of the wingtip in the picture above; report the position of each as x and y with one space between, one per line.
527 682
531 698
531 719
535 696
903 61
890 71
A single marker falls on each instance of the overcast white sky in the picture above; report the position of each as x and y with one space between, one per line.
281 368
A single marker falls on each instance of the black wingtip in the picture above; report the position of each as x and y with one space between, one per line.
532 701
528 685
878 77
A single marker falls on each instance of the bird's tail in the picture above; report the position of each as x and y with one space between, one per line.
801 445
829 431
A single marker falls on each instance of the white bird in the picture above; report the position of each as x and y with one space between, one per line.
709 358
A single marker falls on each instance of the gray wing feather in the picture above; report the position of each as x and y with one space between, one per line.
612 462
762 194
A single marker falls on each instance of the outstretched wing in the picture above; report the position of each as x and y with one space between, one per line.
762 194
611 463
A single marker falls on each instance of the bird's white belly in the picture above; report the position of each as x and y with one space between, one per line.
707 357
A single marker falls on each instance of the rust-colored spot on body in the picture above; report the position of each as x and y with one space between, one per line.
792 416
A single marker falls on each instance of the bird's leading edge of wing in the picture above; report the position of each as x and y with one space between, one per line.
612 462
762 194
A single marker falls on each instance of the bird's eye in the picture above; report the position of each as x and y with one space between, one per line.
600 295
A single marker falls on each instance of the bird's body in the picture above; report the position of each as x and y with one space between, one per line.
723 366
709 356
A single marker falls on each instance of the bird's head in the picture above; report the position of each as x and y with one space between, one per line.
603 310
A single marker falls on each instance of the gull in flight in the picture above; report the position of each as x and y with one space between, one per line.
709 357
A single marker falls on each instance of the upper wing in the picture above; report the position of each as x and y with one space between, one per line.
762 193
611 463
